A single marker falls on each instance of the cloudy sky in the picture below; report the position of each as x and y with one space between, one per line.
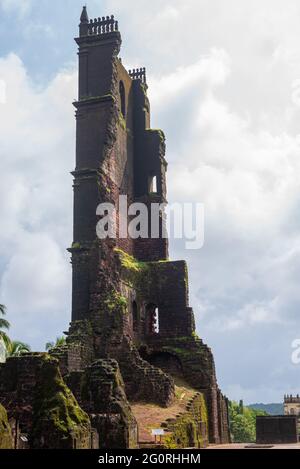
224 82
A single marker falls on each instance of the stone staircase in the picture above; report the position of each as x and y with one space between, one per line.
151 417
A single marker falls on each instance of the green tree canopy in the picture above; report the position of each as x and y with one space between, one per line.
59 342
243 422
4 326
16 349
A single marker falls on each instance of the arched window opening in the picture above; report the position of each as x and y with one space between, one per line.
122 98
152 319
153 187
135 316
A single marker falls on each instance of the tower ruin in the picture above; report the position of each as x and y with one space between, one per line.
132 335
130 302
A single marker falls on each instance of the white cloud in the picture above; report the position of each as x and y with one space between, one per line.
250 315
234 145
209 71
235 391
35 281
37 154
35 29
21 7
224 85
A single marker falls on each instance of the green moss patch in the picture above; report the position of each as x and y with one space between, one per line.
122 121
185 421
97 98
130 263
76 246
6 441
57 415
190 429
116 301
160 134
136 274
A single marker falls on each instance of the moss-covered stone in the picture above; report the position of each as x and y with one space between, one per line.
127 261
158 132
190 429
109 96
142 276
76 246
103 385
116 301
122 121
6 441
58 420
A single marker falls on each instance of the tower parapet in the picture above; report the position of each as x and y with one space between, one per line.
103 25
290 399
138 74
97 26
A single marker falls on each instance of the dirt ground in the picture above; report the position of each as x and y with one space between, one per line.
151 416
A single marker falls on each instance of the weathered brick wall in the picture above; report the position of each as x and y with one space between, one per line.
143 382
195 364
111 336
190 428
153 284
175 316
101 392
78 352
149 163
223 418
35 396
116 154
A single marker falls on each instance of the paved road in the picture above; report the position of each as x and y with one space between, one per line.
246 446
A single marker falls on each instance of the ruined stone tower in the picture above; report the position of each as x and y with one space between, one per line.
132 339
130 302
117 151
132 335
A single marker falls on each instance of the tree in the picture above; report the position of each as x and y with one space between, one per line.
4 324
59 342
243 422
16 349
241 407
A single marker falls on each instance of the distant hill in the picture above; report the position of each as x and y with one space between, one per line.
271 409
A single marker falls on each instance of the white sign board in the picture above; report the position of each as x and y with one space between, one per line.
158 432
